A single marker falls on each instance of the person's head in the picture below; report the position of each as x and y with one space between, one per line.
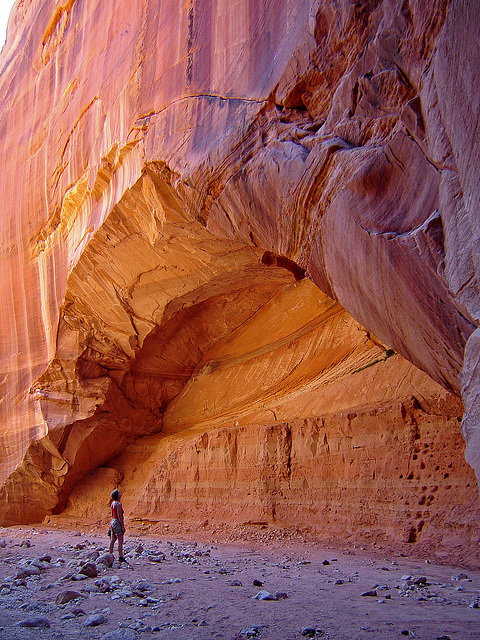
115 495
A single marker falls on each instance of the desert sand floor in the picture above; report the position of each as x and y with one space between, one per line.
172 589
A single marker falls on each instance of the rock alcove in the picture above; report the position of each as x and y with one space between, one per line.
241 279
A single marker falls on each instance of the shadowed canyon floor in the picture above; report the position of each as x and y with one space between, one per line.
183 588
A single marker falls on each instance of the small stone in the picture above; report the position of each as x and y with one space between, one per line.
27 572
103 585
339 581
89 569
40 564
78 577
94 620
106 559
281 595
171 581
236 583
325 562
264 595
90 588
372 593
67 596
257 583
142 585
309 632
250 632
77 612
68 616
34 622
422 580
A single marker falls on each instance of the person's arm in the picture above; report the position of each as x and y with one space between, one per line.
120 515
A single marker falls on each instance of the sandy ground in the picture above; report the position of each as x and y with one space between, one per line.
180 589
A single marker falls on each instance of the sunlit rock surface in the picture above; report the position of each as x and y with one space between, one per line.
176 180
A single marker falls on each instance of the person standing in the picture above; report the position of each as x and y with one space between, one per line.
117 525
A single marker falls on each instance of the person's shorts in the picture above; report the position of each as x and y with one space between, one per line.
116 527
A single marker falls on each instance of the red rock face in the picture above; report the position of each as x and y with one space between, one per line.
171 175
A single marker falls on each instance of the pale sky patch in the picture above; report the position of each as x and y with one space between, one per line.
5 8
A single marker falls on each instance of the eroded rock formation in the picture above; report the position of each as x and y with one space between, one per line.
190 192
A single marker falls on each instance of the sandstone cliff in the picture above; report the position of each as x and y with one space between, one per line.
190 192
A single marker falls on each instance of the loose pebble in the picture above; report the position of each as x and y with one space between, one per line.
27 572
311 632
89 570
34 622
94 620
106 559
250 632
67 596
264 595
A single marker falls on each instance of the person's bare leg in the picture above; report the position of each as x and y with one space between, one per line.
112 542
120 545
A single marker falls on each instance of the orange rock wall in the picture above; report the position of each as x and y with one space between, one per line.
388 476
176 176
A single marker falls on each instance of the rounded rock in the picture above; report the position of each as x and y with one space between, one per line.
34 622
67 596
94 620
106 559
89 569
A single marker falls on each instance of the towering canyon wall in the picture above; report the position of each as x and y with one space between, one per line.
247 225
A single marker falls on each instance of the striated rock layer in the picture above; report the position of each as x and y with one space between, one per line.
335 478
200 202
